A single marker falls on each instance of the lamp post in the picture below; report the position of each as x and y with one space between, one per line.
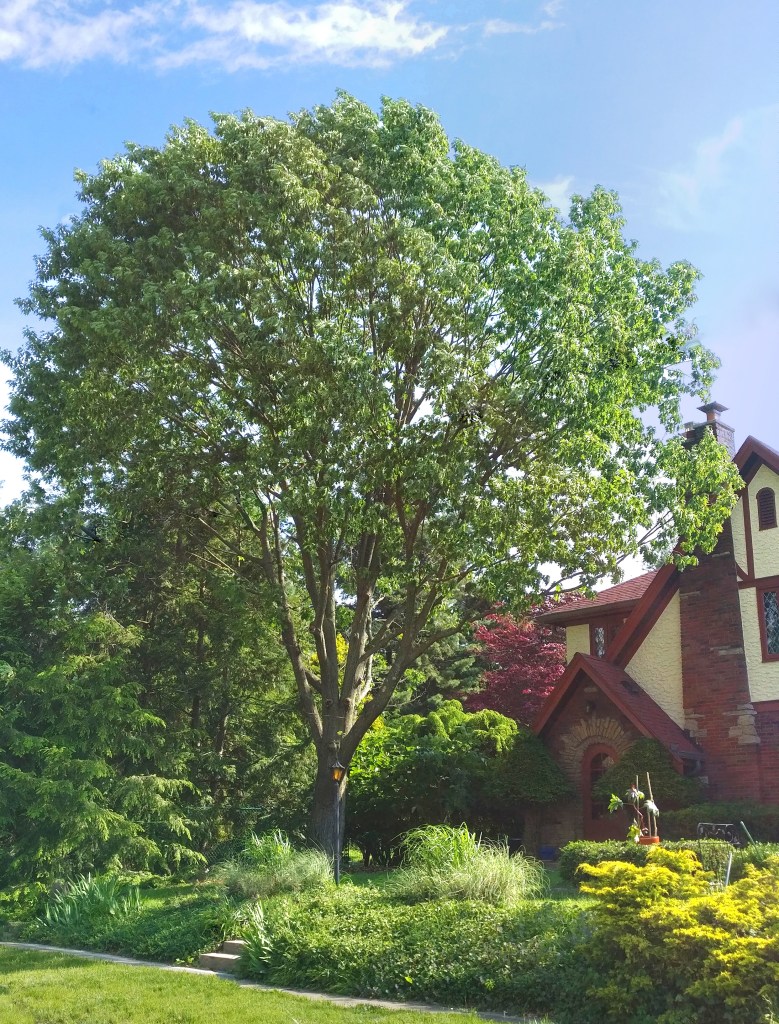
337 772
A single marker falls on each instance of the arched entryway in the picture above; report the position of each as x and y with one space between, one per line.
598 823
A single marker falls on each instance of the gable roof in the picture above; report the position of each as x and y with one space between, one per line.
623 597
752 455
627 696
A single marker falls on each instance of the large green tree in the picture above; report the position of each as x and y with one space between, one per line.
384 356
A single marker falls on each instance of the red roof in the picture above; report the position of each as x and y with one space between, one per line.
630 698
622 597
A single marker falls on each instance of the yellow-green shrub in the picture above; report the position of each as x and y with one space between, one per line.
671 951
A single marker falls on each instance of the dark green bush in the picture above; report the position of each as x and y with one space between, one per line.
712 853
448 767
761 820
668 786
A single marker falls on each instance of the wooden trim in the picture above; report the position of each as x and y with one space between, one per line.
748 533
765 705
577 616
751 455
743 577
765 586
639 623
563 684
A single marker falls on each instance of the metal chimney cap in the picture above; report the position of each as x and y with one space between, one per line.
713 410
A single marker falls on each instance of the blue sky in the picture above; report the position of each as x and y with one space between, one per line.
675 105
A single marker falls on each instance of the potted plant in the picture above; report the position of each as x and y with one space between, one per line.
643 826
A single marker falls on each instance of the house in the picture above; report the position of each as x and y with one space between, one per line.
688 658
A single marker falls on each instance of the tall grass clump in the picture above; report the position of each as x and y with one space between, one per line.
442 862
88 899
268 864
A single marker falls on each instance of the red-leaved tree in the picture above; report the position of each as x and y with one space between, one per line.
525 661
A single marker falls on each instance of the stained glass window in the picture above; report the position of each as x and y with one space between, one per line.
771 618
599 641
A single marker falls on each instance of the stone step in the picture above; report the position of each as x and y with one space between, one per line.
236 946
218 961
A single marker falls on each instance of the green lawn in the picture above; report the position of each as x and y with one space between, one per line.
50 988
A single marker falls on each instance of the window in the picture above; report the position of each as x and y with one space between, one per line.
768 607
766 508
602 633
598 641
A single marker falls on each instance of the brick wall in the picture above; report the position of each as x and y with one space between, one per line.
718 711
768 730
586 719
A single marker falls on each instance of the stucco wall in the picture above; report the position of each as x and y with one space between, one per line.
657 664
765 543
577 640
763 675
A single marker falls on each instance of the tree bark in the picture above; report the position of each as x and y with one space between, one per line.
328 806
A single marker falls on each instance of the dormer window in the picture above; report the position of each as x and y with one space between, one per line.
766 508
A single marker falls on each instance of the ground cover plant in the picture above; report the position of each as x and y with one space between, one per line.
644 942
37 988
356 940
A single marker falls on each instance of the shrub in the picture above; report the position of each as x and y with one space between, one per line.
644 756
442 862
449 765
761 820
269 864
671 951
712 854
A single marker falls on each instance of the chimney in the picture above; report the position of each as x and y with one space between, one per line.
722 432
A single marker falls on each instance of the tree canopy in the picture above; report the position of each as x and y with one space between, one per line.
391 381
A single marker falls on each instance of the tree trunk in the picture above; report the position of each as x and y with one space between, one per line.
328 807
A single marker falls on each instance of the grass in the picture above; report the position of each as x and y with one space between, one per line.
268 864
51 988
442 862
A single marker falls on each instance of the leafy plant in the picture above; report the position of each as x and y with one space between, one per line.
88 898
640 824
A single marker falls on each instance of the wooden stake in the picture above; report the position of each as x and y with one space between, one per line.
652 817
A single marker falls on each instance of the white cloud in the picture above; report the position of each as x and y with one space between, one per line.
238 33
722 174
559 191
344 32
683 191
57 33
549 19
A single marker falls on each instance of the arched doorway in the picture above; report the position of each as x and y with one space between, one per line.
598 823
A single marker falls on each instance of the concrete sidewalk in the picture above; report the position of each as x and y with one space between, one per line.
384 1004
